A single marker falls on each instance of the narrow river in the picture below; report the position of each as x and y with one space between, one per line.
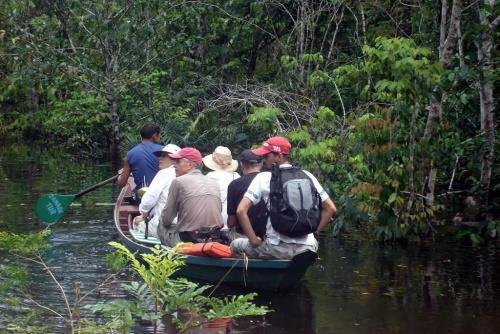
354 287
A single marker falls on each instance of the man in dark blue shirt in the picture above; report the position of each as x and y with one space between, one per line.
250 166
141 160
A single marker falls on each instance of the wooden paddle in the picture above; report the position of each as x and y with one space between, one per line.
50 208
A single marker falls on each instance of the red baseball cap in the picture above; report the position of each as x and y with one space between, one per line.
274 144
189 153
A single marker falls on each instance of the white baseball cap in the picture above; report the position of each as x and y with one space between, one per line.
169 148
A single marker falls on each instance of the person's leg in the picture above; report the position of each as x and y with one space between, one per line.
283 251
168 235
241 246
286 251
173 239
233 235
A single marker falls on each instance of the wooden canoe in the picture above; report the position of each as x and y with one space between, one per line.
258 274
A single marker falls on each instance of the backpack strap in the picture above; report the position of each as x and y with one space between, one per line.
275 189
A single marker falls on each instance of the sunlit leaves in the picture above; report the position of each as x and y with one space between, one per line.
159 294
24 244
234 306
265 117
404 69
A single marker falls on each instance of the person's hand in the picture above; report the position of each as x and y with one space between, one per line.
120 171
137 220
256 242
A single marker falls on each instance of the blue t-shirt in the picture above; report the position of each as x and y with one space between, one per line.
143 163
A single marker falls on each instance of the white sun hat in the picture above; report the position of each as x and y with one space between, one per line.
221 159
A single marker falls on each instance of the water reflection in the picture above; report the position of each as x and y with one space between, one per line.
355 287
28 172
293 312
362 287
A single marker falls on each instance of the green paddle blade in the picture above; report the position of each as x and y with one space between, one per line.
50 208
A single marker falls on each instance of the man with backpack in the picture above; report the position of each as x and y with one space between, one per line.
298 206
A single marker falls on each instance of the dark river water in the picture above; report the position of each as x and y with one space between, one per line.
355 286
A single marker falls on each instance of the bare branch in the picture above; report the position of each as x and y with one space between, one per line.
63 293
44 307
297 109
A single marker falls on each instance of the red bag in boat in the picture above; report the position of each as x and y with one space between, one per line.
210 249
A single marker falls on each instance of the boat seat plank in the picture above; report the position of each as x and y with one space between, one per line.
126 209
139 236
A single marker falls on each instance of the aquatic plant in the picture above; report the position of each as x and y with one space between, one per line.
156 294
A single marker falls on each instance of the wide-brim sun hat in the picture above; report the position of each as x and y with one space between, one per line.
221 159
169 148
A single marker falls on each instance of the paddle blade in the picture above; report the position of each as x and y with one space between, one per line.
50 208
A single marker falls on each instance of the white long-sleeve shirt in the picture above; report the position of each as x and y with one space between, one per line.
157 193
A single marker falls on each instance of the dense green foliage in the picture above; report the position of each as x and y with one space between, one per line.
389 103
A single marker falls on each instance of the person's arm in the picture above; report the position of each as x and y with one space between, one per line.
328 210
152 195
231 221
170 210
231 205
121 181
242 213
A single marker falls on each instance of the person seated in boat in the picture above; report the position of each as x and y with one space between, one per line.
154 199
278 245
223 172
250 165
141 161
193 198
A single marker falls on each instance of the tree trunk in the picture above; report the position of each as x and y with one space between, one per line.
110 61
447 44
115 121
253 56
442 26
201 23
487 102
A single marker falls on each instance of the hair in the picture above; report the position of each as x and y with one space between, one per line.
149 130
194 164
249 164
285 156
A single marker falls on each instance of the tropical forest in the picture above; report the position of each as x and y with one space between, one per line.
390 104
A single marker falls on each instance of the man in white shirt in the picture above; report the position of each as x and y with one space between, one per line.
154 199
275 245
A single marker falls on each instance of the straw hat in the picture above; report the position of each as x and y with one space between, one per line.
221 159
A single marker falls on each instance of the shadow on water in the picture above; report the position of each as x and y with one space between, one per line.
354 287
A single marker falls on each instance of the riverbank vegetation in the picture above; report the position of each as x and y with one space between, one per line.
153 294
390 103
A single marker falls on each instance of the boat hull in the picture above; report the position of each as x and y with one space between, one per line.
255 274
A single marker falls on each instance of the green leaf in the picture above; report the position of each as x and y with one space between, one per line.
392 198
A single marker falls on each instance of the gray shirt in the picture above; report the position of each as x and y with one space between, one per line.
195 200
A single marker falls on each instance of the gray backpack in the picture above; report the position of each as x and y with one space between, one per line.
295 204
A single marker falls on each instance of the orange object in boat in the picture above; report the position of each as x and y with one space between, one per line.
210 249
